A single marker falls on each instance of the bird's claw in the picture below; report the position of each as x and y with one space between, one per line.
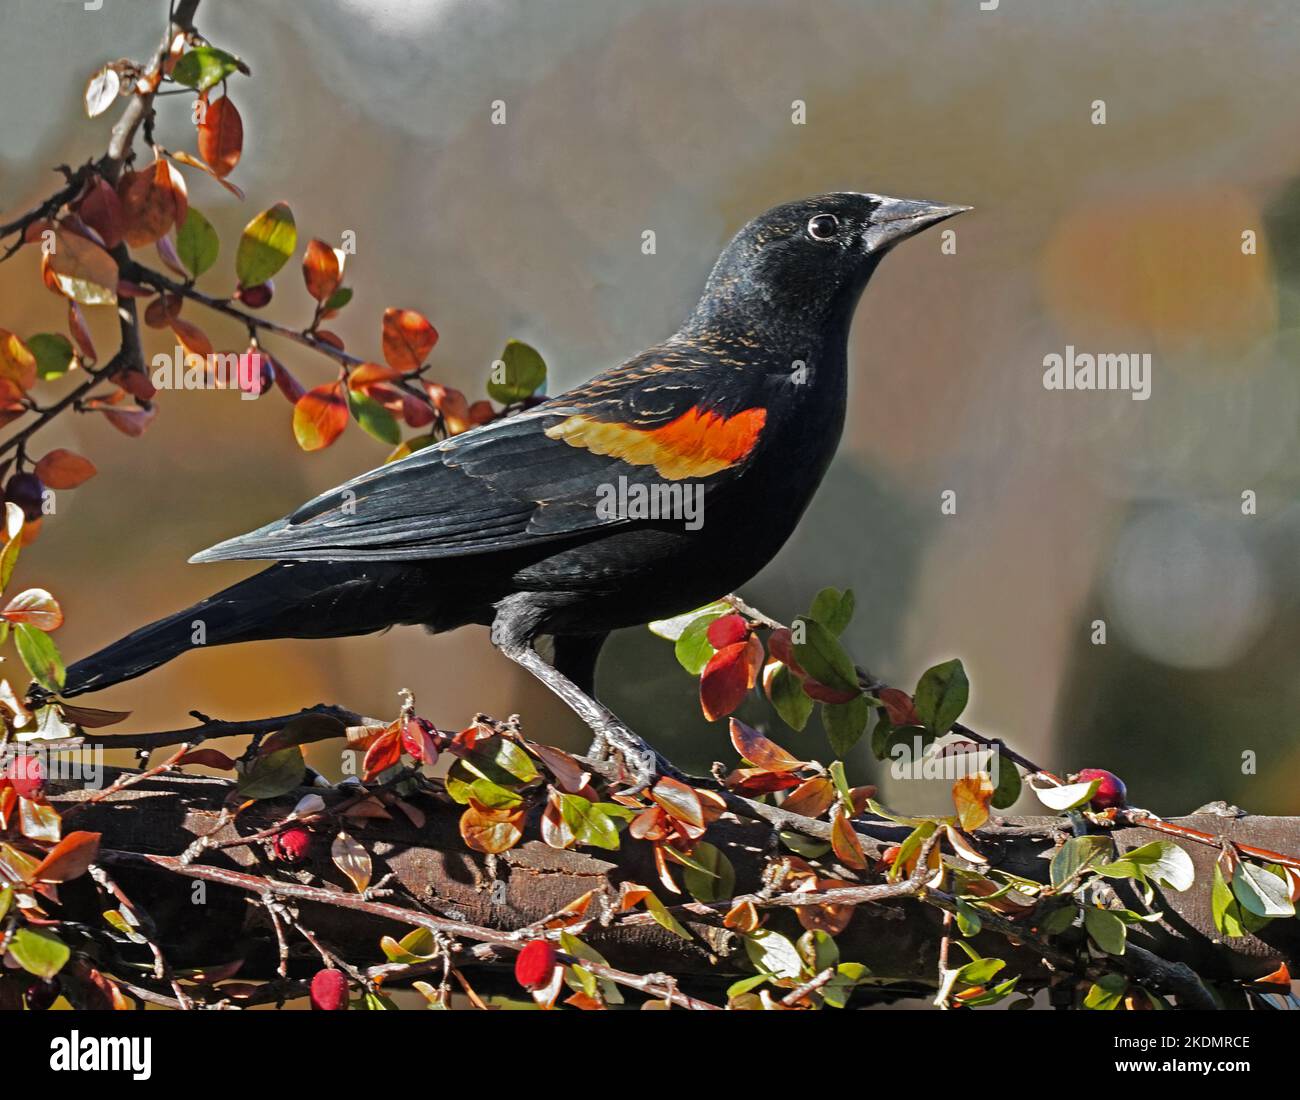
639 761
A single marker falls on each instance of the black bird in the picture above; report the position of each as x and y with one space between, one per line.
515 523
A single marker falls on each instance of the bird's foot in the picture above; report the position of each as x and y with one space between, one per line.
640 763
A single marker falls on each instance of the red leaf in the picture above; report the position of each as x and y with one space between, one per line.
407 338
35 607
322 270
102 211
153 200
221 136
760 751
207 758
727 630
320 416
64 469
728 676
384 752
69 859
899 707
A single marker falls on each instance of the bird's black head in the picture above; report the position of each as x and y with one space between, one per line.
802 265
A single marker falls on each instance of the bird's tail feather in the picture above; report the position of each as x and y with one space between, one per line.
288 600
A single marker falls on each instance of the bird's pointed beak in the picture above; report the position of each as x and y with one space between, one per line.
895 220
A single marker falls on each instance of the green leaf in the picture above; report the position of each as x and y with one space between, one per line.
39 953
968 918
802 845
1262 892
53 353
845 723
204 66
571 945
590 826
692 649
40 655
773 954
717 882
374 419
818 950
1077 854
665 919
823 658
272 775
518 374
979 971
941 695
1229 917
833 609
197 243
6 899
339 298
1106 993
735 989
848 976
1108 931
265 245
1058 920
1162 861
1068 797
1009 786
790 700
992 996
671 629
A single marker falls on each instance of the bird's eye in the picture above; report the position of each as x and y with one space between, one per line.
823 227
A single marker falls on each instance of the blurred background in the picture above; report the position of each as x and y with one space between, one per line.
628 115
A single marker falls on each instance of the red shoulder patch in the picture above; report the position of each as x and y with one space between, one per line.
698 443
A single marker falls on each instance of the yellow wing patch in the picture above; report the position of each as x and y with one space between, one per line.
698 443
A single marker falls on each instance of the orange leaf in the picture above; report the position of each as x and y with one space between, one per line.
80 332
162 310
193 339
320 416
369 374
35 607
760 751
69 859
221 136
17 363
322 270
812 798
742 917
82 269
64 469
128 421
407 338
491 832
1280 976
678 800
153 200
845 842
971 795
728 676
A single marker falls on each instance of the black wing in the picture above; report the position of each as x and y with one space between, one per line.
533 477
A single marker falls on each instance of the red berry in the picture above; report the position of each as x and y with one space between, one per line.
27 776
292 845
41 995
255 297
26 491
727 630
329 991
536 964
1111 792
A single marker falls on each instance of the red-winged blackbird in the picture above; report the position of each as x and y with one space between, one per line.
516 523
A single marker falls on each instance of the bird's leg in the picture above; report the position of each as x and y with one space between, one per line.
640 761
